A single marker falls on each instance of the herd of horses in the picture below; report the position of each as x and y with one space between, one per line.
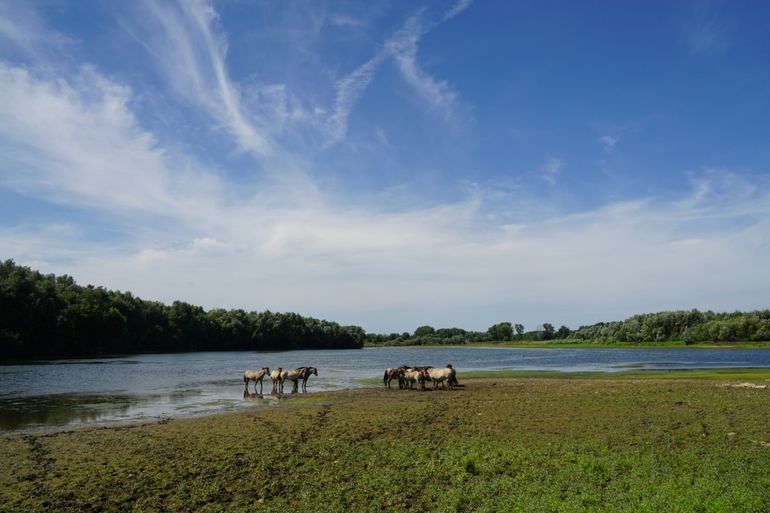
408 377
278 377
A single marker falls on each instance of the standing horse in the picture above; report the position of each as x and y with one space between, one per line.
447 374
306 373
255 376
293 376
275 377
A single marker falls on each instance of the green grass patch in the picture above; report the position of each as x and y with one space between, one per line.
514 445
731 374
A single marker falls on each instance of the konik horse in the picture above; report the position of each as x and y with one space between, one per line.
255 376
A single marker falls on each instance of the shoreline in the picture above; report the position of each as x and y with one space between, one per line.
726 375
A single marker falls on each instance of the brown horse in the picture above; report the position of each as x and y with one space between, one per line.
306 373
300 373
391 373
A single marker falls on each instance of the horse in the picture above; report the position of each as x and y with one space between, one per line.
306 373
293 376
413 375
255 376
391 373
447 374
275 376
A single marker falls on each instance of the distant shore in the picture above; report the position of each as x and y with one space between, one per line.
562 344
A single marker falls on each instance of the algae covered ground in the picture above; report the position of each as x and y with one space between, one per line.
496 444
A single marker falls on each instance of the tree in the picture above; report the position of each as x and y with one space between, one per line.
564 332
424 331
548 331
501 332
519 330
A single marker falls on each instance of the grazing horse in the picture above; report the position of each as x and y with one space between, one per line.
275 376
255 376
306 373
391 373
447 374
412 376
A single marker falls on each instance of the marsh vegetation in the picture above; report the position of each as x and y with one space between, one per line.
498 444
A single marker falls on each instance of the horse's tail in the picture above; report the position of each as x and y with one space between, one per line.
245 378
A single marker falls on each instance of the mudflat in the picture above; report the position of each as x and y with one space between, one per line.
495 444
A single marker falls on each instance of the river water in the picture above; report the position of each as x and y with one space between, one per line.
66 393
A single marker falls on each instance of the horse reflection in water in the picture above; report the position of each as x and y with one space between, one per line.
255 397
300 373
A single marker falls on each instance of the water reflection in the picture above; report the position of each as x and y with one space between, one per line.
60 410
255 397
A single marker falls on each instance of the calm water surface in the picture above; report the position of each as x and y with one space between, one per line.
147 387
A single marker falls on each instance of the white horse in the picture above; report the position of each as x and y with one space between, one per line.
447 374
255 376
275 377
414 376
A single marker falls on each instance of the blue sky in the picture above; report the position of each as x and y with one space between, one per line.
393 164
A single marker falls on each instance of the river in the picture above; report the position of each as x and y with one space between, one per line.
69 393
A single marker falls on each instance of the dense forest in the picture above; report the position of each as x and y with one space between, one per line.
687 326
44 316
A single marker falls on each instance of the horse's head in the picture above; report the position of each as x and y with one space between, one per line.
314 371
266 369
449 366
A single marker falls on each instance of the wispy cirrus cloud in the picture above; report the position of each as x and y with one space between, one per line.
402 47
286 245
76 141
707 33
550 169
191 51
608 142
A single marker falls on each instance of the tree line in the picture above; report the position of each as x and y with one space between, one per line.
688 326
45 316
500 332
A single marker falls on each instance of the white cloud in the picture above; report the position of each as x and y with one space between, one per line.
191 51
402 47
550 169
348 90
706 32
608 142
289 245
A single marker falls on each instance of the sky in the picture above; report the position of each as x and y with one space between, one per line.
393 164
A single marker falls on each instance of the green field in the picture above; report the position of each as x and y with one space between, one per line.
499 443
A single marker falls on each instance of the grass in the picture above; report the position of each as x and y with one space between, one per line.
501 443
